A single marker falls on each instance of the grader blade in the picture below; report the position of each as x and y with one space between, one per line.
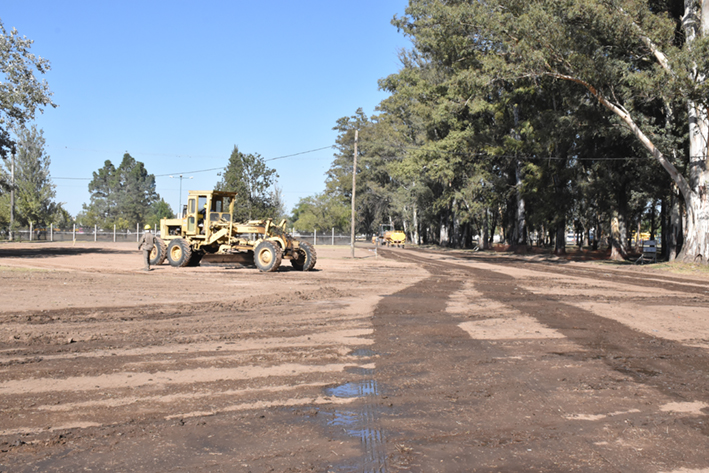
246 259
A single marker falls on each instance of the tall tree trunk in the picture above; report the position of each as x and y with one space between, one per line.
696 232
443 234
560 240
664 228
416 239
618 238
519 237
675 224
485 243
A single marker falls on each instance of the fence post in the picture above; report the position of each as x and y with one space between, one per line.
137 232
51 232
114 233
315 237
95 231
30 231
73 234
333 236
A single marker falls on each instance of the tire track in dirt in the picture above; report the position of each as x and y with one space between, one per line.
664 364
652 369
562 268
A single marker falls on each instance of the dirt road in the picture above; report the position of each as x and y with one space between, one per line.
418 361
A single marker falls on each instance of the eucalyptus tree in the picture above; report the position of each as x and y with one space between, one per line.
644 62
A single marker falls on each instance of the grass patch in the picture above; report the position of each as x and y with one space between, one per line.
683 268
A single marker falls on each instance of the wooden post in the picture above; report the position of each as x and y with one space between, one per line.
114 233
333 236
30 231
51 232
354 190
137 232
73 234
315 237
12 197
95 231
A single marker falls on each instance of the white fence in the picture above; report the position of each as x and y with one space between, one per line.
323 238
75 233
80 233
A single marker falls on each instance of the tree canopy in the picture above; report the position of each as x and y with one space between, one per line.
123 196
34 190
532 119
21 93
253 181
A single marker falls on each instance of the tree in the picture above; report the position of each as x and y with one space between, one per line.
251 179
121 196
159 210
21 93
321 212
34 191
643 62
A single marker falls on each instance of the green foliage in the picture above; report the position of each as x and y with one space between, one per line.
122 196
34 195
252 180
321 212
159 210
21 93
34 191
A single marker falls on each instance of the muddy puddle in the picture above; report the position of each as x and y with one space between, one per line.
360 419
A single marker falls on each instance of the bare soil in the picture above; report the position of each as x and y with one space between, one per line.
430 361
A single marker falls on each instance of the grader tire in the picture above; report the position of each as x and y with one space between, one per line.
179 252
159 253
305 257
267 256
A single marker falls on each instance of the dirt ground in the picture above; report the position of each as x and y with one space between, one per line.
427 361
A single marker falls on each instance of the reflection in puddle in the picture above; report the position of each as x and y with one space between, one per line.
360 421
360 371
357 389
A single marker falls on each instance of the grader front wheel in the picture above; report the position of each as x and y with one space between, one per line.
267 256
179 252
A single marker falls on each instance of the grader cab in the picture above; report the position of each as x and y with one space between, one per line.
206 232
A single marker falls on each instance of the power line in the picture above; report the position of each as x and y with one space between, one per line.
189 172
193 172
298 154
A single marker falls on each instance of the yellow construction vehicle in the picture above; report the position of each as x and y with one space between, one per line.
207 233
389 237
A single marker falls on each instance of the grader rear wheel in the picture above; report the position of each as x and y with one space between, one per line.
305 257
267 256
159 253
179 252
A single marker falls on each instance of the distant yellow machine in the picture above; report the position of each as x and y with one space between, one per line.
389 237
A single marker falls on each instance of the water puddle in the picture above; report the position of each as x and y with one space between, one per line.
360 421
357 389
363 352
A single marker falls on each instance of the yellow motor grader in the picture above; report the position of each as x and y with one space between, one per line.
207 233
389 237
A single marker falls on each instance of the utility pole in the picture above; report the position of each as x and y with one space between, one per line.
12 197
354 188
179 208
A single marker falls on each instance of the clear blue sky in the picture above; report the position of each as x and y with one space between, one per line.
178 83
